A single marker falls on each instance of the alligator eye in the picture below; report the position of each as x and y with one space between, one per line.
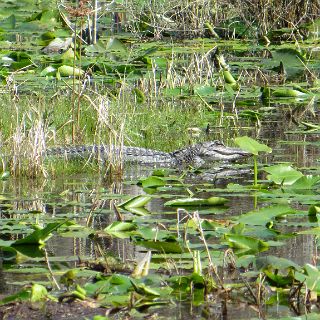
219 143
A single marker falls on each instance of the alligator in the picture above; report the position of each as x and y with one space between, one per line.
196 154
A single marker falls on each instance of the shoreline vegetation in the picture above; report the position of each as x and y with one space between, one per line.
160 75
141 101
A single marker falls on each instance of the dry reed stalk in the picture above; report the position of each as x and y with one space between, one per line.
108 125
28 145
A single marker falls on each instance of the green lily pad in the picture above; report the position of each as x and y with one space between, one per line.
264 215
252 146
283 174
212 201
135 202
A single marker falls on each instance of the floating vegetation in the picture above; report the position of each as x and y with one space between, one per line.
123 241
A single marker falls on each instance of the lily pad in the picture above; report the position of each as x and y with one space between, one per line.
283 174
252 146
212 201
135 202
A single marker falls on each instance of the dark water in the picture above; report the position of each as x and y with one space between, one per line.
79 196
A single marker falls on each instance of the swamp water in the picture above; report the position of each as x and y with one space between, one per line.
88 201
277 107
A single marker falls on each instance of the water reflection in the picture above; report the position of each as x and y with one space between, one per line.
90 201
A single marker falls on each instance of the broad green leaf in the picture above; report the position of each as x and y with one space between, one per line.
162 246
162 172
26 251
228 77
68 55
311 278
98 317
135 202
9 22
287 92
206 224
249 244
283 174
38 293
305 182
121 226
23 295
264 215
149 233
138 211
142 289
68 71
292 60
39 236
152 182
212 201
252 146
265 262
279 280
115 44
289 56
48 71
202 90
115 284
314 210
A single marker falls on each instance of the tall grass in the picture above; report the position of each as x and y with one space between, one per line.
27 131
189 18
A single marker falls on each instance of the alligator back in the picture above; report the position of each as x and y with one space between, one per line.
195 154
129 154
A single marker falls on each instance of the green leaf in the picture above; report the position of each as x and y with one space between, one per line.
139 211
120 226
314 210
291 60
228 77
287 93
142 289
152 182
275 262
68 71
202 90
162 246
39 236
23 295
247 244
311 277
283 174
9 22
264 215
115 44
252 146
278 279
212 201
48 71
305 182
38 293
5 175
135 202
115 284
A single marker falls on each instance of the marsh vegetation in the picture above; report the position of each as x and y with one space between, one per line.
107 239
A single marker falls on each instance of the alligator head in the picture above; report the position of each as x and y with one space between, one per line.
207 151
217 151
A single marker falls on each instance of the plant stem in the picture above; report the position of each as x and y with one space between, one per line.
255 170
